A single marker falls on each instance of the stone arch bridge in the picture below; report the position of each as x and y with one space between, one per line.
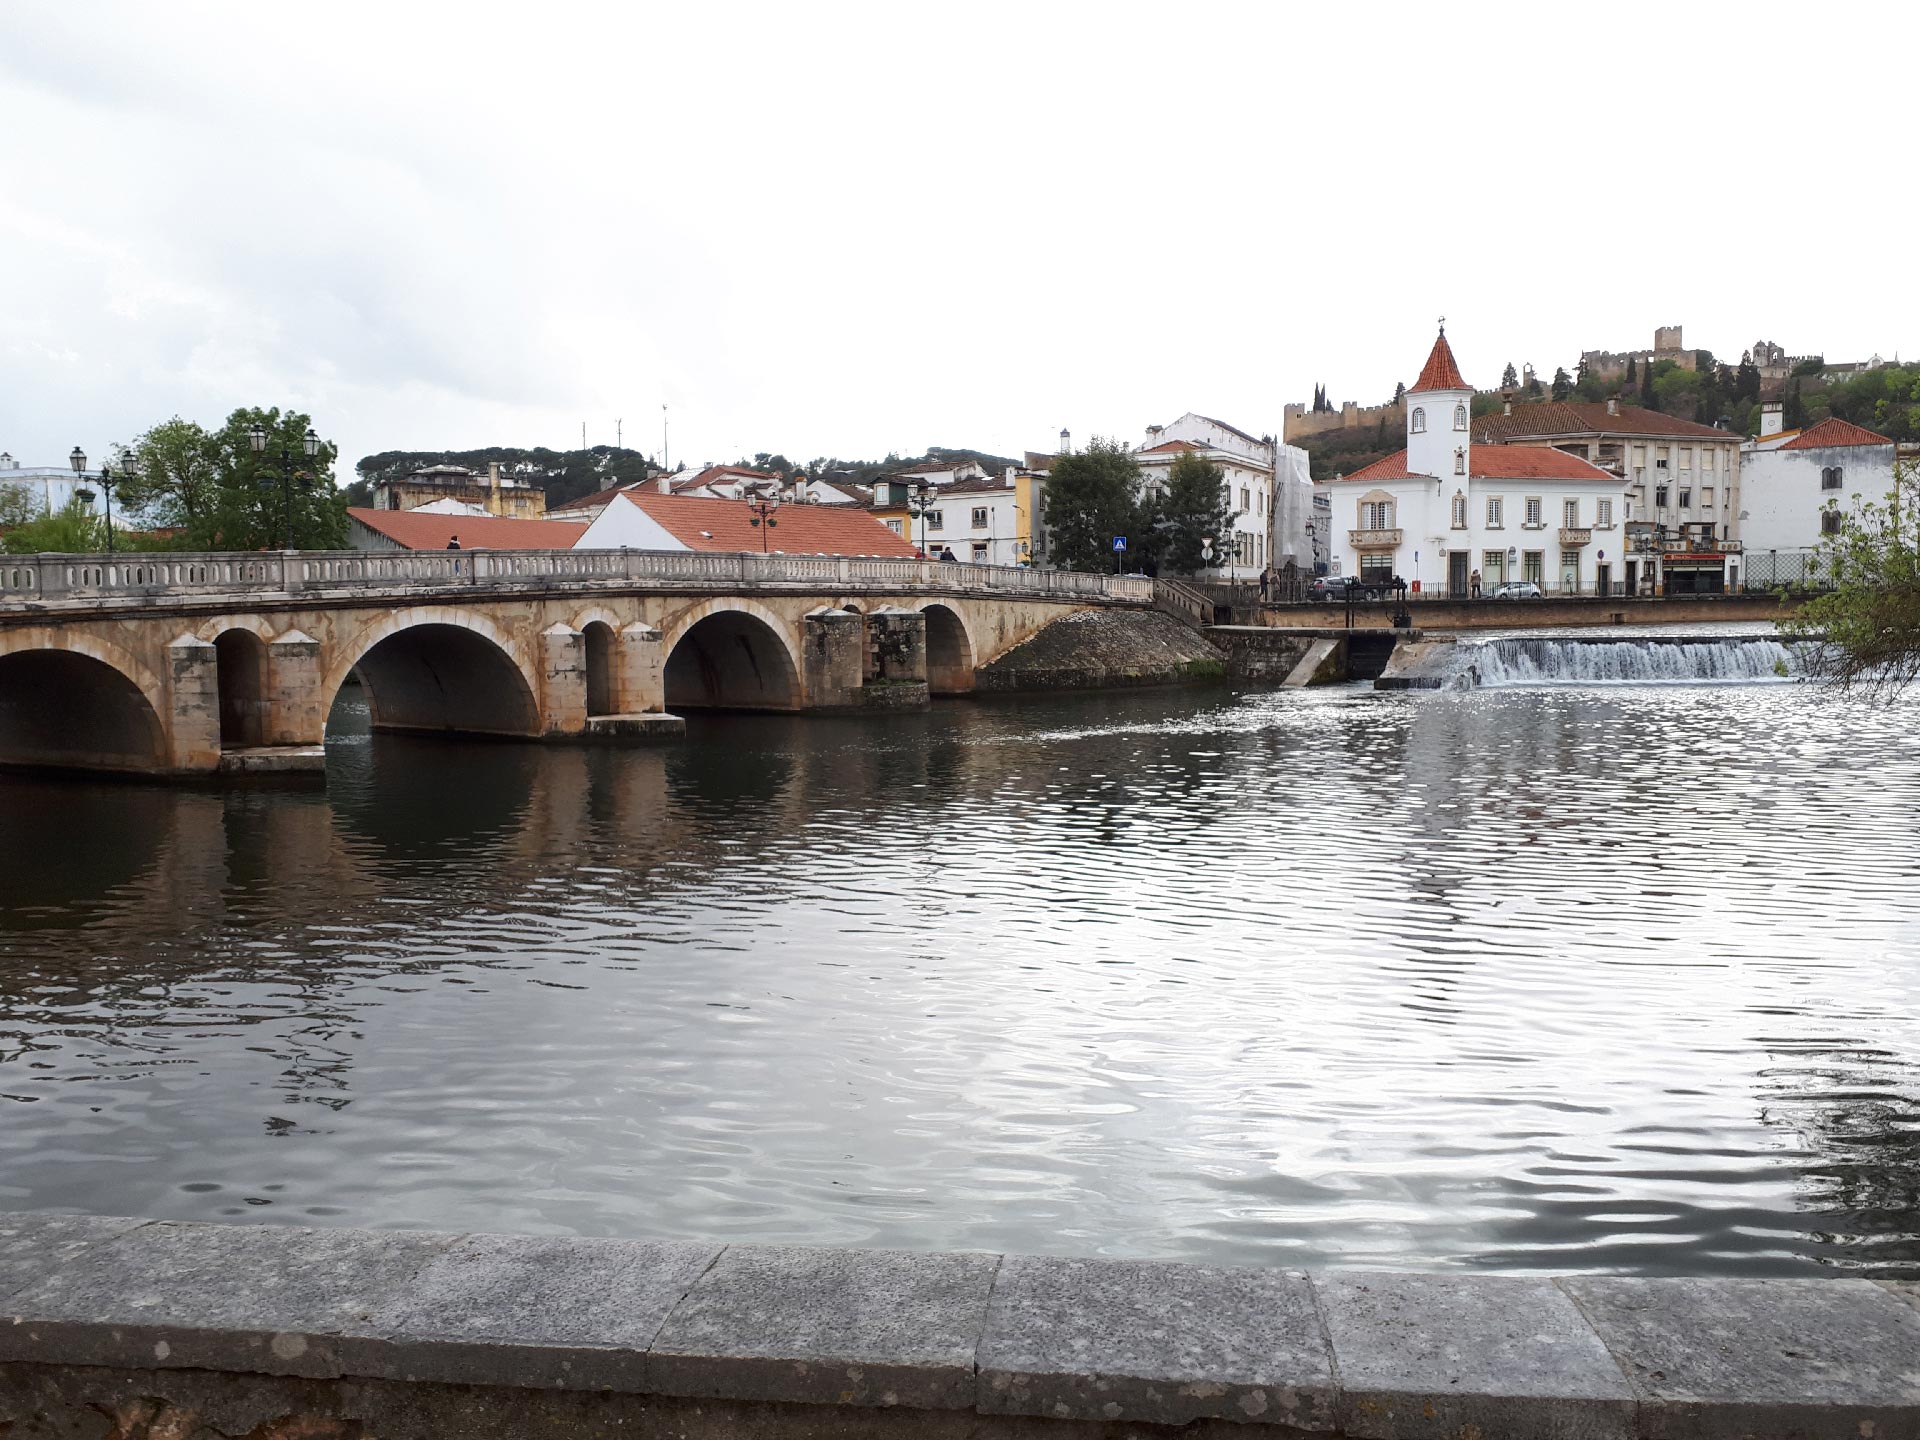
171 664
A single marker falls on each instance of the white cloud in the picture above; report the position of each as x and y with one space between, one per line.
845 229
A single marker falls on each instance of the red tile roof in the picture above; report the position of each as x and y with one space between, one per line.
727 525
1496 462
1584 417
1833 433
424 530
1440 371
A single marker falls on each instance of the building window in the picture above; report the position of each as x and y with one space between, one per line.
1533 566
1660 497
1493 566
1570 514
1706 497
979 517
1376 569
935 520
1418 424
1686 498
1246 500
1830 478
1603 514
1707 459
1686 457
1459 417
1493 512
1376 515
1460 462
1534 522
1829 522
1640 456
894 525
1570 571
1459 512
979 552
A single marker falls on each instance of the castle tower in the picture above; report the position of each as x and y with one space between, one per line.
1439 412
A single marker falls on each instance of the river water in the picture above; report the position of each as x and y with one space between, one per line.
1545 979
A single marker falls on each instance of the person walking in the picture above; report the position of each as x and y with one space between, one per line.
453 542
1473 585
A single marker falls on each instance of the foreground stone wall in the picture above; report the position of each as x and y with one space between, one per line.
141 1330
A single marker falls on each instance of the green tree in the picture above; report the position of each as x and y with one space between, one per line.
1509 377
220 495
1194 508
1092 496
1746 384
1865 632
73 530
1632 376
1562 383
1793 414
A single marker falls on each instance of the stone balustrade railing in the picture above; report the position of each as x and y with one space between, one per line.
27 579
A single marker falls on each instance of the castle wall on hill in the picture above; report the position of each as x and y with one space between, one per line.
1298 422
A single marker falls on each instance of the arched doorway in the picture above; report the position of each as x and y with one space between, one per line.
731 661
241 661
600 652
949 653
64 710
446 679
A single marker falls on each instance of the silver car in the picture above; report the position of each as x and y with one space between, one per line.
1518 590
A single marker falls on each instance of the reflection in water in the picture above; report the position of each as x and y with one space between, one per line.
1531 980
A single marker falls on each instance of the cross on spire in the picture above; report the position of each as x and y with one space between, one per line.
1443 324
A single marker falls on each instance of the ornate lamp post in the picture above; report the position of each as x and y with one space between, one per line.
310 442
763 507
128 471
78 460
919 503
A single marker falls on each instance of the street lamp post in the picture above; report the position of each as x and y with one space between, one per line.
919 503
310 442
763 507
78 460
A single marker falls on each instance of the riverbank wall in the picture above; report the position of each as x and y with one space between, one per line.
141 1330
1102 650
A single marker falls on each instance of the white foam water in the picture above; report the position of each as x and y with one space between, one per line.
1647 661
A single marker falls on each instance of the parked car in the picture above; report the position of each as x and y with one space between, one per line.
1334 589
1518 590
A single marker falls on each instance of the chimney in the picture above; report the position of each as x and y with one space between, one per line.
1613 405
1506 402
495 505
1773 418
665 482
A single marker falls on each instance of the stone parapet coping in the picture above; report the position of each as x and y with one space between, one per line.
1390 1356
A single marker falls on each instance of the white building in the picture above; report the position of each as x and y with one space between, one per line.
1248 468
1800 485
49 489
1444 509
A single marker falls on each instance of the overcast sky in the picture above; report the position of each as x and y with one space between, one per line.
827 229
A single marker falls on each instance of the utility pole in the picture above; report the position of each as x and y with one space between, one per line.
618 442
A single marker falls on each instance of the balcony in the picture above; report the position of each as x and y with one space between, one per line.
1574 539
1374 539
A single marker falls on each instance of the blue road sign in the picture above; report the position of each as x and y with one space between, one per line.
1119 542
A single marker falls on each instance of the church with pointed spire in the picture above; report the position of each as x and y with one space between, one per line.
1452 519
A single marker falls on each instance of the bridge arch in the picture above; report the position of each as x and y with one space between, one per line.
599 631
441 669
950 650
731 655
73 702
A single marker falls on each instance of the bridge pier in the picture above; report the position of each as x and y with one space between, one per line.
855 662
293 715
193 692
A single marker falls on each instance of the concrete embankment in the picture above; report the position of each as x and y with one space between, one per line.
1104 649
144 1329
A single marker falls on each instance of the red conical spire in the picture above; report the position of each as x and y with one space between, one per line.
1440 371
